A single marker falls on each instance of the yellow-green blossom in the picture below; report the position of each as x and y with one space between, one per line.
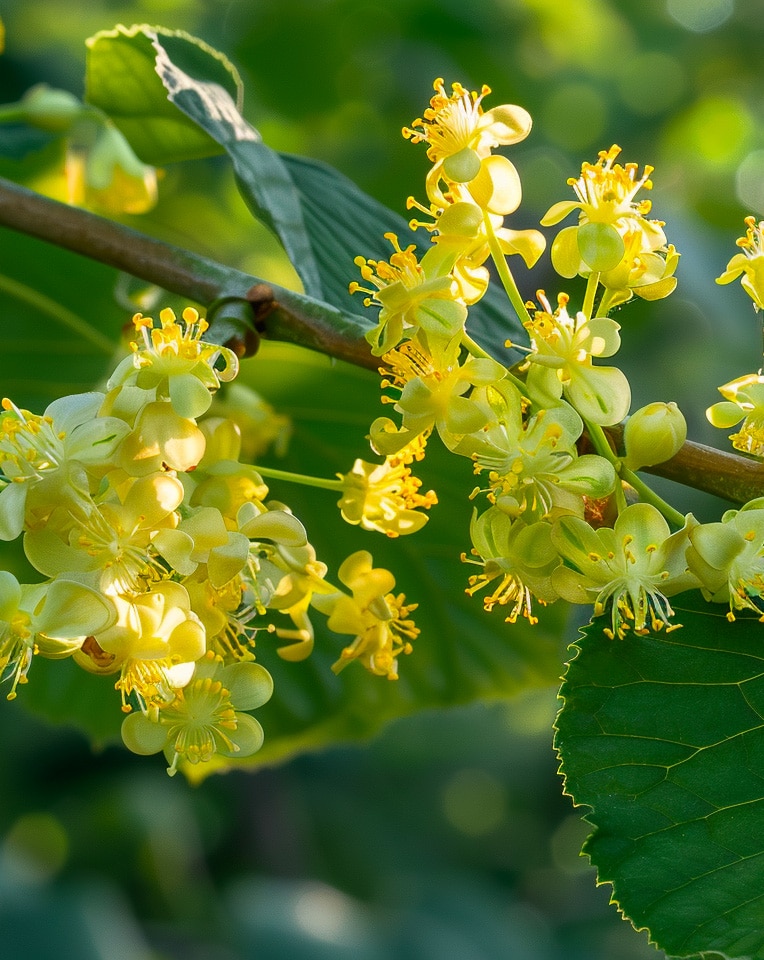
458 229
52 619
728 559
175 362
412 297
517 561
385 496
154 642
56 457
206 717
744 400
632 567
114 538
608 213
749 263
437 396
377 618
534 470
562 348
461 136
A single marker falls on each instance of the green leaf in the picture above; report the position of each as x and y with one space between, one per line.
121 79
155 84
662 737
174 86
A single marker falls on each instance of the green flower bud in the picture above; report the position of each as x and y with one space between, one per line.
654 434
49 109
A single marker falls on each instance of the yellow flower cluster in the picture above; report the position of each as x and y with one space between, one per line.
560 519
163 556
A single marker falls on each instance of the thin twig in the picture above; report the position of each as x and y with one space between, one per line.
292 317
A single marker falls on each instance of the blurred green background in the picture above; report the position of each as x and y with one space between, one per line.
447 837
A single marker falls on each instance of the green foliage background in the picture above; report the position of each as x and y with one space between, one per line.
447 836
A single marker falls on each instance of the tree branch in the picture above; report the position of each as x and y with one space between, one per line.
286 315
281 314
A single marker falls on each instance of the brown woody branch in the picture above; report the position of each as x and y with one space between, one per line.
280 314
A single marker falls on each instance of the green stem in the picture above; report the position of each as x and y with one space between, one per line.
650 496
603 448
505 274
474 347
53 309
322 482
591 289
605 302
12 113
476 350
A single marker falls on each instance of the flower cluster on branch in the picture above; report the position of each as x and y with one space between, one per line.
550 521
165 558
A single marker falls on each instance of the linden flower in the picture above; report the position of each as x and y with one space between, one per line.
52 619
459 233
154 643
114 539
206 718
175 362
562 348
520 556
412 296
532 463
744 400
161 439
728 560
435 396
376 617
53 453
385 496
608 212
648 274
460 135
219 480
634 566
749 263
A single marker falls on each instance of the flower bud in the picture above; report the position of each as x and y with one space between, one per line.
50 109
653 434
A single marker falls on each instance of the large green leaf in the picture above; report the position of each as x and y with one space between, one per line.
122 80
175 85
162 86
662 736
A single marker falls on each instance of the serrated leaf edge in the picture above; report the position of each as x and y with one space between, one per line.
601 880
153 33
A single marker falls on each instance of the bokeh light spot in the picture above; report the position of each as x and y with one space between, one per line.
715 131
35 849
651 82
575 116
749 182
700 15
323 913
474 801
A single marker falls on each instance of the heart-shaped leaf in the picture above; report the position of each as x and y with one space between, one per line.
662 737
